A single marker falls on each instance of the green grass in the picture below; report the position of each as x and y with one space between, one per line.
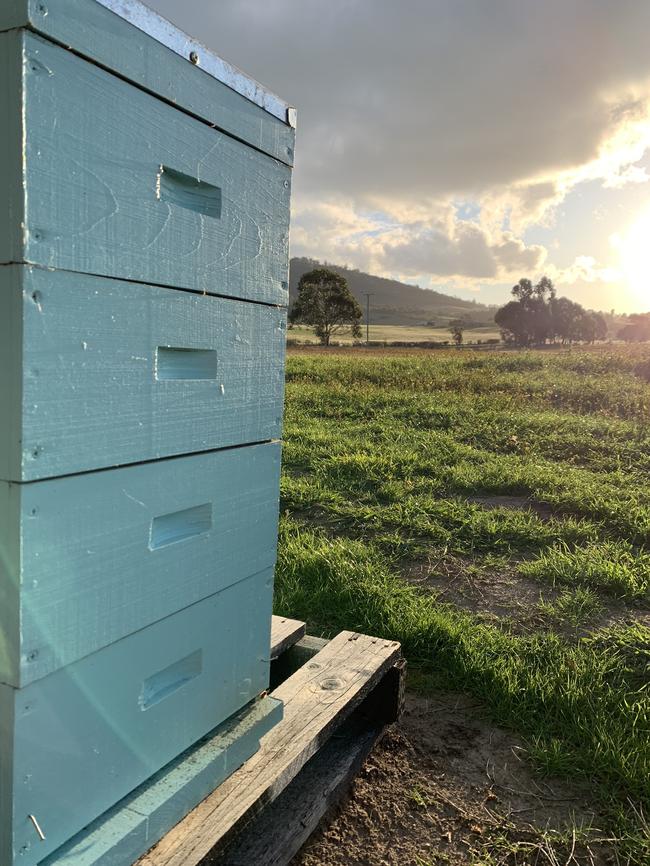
575 607
612 566
383 460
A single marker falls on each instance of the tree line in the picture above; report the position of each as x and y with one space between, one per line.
537 316
637 329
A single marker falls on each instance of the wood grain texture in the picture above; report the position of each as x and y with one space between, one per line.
316 699
96 149
80 383
134 824
80 738
80 570
284 634
110 41
276 836
12 203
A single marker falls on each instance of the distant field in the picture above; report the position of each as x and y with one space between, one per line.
400 333
491 512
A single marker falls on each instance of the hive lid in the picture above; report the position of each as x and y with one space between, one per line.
162 30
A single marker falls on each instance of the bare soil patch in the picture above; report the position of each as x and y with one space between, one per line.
494 595
447 787
510 599
518 503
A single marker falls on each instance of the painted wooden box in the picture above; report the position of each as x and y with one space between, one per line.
107 179
99 372
90 558
77 741
143 290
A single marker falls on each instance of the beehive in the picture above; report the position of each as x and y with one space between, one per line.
143 292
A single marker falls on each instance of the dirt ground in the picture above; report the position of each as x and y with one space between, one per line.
446 787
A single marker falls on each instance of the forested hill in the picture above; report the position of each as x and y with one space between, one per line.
395 303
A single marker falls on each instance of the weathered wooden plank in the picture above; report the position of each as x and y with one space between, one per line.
276 836
88 559
284 634
115 373
293 658
316 699
282 828
134 824
108 40
112 175
88 734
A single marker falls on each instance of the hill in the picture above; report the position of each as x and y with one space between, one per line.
395 303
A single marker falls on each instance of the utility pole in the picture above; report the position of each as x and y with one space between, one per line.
368 296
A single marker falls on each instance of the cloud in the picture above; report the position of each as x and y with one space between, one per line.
444 246
584 269
433 97
406 108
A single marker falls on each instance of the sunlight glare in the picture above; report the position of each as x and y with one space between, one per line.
634 247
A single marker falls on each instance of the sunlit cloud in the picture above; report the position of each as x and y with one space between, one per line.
443 247
585 269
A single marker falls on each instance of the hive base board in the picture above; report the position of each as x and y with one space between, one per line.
127 830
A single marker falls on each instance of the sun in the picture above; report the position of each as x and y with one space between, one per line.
634 250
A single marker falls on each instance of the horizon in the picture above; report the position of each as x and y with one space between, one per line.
472 300
493 143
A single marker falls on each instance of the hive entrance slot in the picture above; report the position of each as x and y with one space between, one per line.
180 525
187 192
179 363
163 684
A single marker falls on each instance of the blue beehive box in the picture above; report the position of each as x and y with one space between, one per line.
143 292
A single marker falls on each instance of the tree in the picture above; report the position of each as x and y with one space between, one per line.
637 330
539 315
528 293
594 327
326 304
516 323
567 319
456 329
523 291
528 319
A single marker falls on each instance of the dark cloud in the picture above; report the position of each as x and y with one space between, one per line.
427 98
466 252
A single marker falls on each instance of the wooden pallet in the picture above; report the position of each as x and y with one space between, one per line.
338 697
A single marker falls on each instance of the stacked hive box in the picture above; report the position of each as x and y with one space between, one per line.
143 284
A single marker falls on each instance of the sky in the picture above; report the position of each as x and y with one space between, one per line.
460 144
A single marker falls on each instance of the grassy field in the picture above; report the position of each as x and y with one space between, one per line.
400 333
409 475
